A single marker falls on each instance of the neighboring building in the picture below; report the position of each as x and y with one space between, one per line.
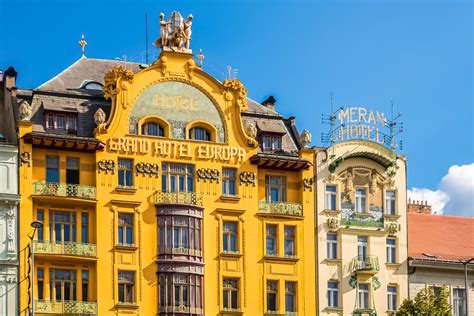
8 194
361 229
437 244
171 193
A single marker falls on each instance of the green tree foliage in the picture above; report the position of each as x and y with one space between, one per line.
427 302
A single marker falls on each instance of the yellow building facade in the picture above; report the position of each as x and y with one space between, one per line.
171 193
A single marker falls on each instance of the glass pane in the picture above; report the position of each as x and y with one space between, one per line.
129 235
226 299
234 299
120 235
233 243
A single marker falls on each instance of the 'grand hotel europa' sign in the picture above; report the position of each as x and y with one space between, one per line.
360 123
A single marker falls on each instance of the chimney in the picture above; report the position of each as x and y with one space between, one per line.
270 103
10 78
416 206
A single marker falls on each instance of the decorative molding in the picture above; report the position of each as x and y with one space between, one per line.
237 88
332 224
308 184
248 178
150 169
25 159
392 228
106 166
111 79
205 174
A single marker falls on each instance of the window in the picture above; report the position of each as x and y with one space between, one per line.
152 129
231 294
125 172
180 232
290 296
71 123
362 247
333 294
275 189
390 203
199 133
40 217
271 142
60 121
177 178
360 197
92 85
392 300
40 282
125 229
272 296
72 171
363 299
85 285
62 226
391 250
52 169
289 241
181 290
126 284
85 227
459 303
229 237
50 120
331 197
271 240
228 181
331 246
62 284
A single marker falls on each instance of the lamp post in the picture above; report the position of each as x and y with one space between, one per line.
466 288
35 225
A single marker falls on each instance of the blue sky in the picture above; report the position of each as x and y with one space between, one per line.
416 53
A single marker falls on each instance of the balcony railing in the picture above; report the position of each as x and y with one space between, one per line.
181 251
280 208
180 309
369 264
65 307
65 248
191 198
64 189
362 223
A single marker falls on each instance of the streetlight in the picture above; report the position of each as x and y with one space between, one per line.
466 289
36 225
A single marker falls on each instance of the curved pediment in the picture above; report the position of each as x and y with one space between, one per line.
179 104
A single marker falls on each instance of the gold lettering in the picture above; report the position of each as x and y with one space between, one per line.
202 152
241 156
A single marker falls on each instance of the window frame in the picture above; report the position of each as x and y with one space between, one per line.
329 196
459 302
206 134
281 187
229 182
330 244
227 304
293 294
125 227
392 201
227 235
167 176
365 295
49 166
145 129
360 205
125 172
272 290
333 294
391 250
289 237
126 284
392 298
274 237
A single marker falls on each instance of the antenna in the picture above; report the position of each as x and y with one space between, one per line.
330 137
394 130
231 73
146 38
123 59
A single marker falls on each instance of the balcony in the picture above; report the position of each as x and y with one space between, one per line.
65 307
369 264
181 251
180 309
280 208
64 190
67 248
362 223
189 198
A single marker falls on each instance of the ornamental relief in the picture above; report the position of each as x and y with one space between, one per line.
361 176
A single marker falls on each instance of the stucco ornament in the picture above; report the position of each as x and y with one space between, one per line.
305 138
239 90
175 34
332 224
25 111
251 130
391 228
99 117
349 180
111 78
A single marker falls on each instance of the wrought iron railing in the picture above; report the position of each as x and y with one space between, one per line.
64 189
65 307
180 309
191 198
65 248
365 264
280 208
363 223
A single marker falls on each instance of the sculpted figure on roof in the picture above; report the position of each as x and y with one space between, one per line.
175 34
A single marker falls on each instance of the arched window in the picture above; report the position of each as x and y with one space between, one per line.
199 133
92 85
152 129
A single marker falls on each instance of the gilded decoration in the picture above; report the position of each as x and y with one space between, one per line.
308 184
111 79
239 90
80 191
208 174
144 169
106 166
391 228
248 178
25 159
332 224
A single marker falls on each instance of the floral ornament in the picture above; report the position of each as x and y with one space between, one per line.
248 178
353 281
391 228
110 87
238 88
332 224
205 174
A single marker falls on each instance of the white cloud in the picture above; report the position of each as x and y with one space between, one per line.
455 194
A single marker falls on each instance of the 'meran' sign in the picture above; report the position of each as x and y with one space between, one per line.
361 123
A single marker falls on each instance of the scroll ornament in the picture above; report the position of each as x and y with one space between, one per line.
106 166
205 174
111 78
238 88
248 178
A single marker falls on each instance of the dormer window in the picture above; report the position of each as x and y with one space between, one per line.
200 133
61 121
271 142
92 85
153 129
